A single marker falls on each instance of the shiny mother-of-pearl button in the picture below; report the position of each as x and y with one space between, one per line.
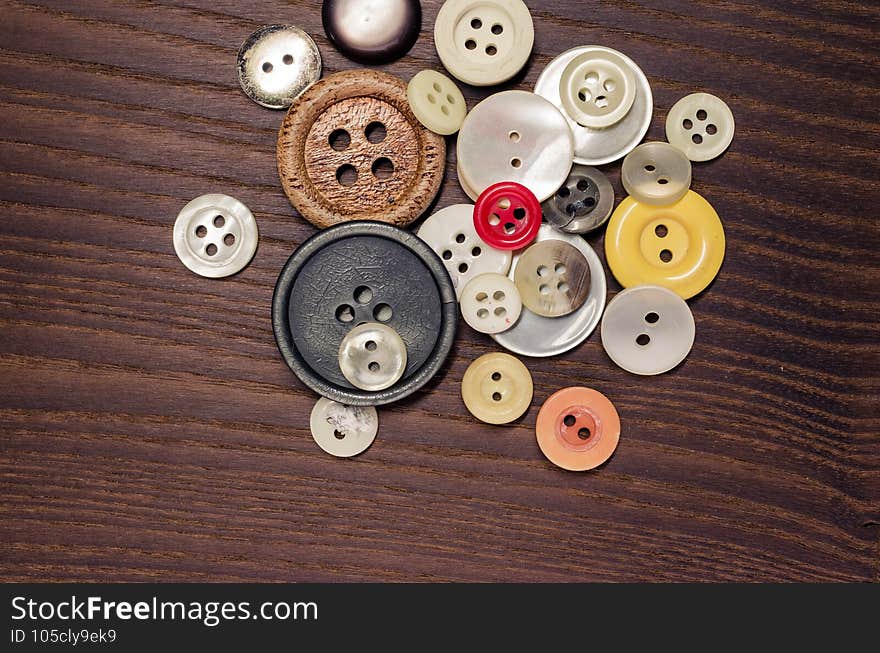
514 136
341 430
490 303
534 335
553 278
372 356
599 146
451 234
656 173
647 329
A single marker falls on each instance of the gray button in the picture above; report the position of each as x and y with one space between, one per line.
583 203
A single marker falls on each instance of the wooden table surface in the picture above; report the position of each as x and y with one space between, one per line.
149 429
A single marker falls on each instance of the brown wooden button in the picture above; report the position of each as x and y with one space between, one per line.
350 148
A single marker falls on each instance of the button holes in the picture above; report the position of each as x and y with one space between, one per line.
476 251
583 185
650 168
696 138
591 77
211 249
544 289
229 240
363 295
339 140
701 114
267 67
569 420
663 181
445 110
345 313
201 231
559 269
497 29
513 136
665 255
370 345
494 219
515 162
460 238
660 230
542 271
431 98
562 287
287 59
509 228
687 124
382 168
498 295
651 318
584 433
584 95
476 23
563 192
496 396
219 221
643 339
571 209
500 311
711 129
382 312
504 204
470 44
447 254
374 367
450 99
339 435
483 313
462 268
589 202
491 50
601 101
346 175
375 132
519 213
437 87
609 85
496 376
481 297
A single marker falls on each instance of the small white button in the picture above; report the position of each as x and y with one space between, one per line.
341 430
215 235
647 329
436 101
656 173
490 303
597 88
484 42
372 356
451 234
700 125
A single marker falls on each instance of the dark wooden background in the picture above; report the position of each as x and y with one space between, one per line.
149 429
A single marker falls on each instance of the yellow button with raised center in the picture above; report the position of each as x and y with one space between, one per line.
497 388
680 246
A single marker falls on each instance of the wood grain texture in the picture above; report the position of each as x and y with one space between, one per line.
150 431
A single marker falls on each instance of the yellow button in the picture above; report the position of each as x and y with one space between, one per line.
497 388
680 246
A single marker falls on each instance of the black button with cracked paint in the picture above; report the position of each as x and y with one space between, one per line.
372 31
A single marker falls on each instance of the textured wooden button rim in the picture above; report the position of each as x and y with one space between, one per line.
421 167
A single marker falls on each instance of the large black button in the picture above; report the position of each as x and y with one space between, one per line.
356 273
372 31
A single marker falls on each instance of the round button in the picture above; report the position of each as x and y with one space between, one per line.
647 330
553 278
700 125
679 246
594 146
490 303
363 272
436 101
350 148
656 173
343 431
452 235
497 388
507 215
538 336
372 356
484 42
277 63
372 32
578 429
597 88
583 203
514 136
215 235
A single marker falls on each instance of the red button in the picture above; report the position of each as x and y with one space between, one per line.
507 215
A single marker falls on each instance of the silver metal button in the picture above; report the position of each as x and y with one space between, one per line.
276 64
341 430
534 335
372 356
215 235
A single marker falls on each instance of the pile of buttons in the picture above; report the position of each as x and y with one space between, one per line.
365 312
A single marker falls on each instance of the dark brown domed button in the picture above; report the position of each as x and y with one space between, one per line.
372 32
350 148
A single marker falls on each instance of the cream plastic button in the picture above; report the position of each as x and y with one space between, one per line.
484 42
656 173
593 146
647 329
553 278
538 336
514 136
490 303
436 101
215 235
341 430
451 234
700 125
597 88
497 388
372 356
277 63
583 203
